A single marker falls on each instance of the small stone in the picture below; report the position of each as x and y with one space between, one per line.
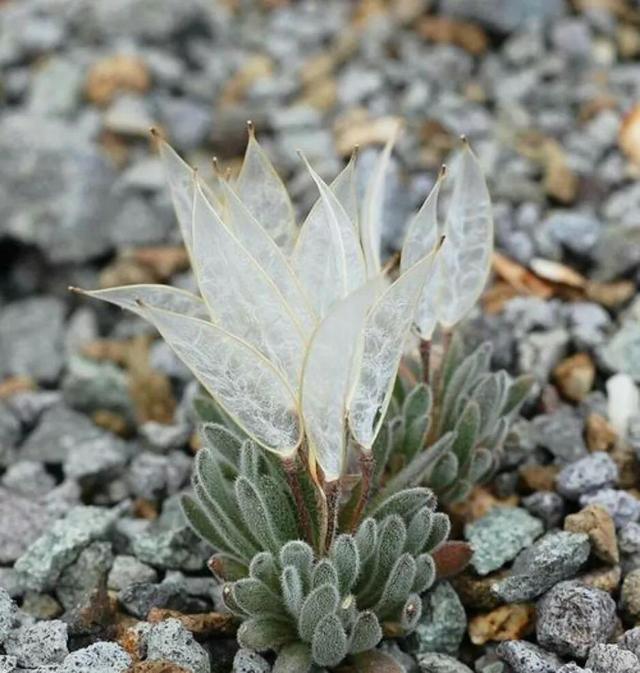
622 506
114 74
622 352
623 402
139 598
629 546
128 570
60 430
38 644
433 662
248 661
28 478
507 622
574 376
152 476
577 231
443 623
500 535
8 664
100 459
23 521
166 437
573 668
100 657
561 434
61 544
169 640
10 581
31 338
596 522
555 557
477 592
607 579
8 611
55 88
547 506
128 115
572 618
630 640
524 657
629 135
630 596
540 352
611 659
539 477
41 606
599 433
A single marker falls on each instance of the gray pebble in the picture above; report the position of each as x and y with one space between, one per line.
38 644
561 433
555 557
630 640
443 623
622 506
152 476
7 614
248 661
547 506
591 473
611 659
169 640
101 657
28 478
433 662
8 664
140 597
525 657
572 618
23 521
128 570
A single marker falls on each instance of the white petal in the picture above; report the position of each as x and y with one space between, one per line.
269 257
386 328
421 238
241 380
466 253
344 188
156 296
328 258
327 376
179 177
372 211
264 194
241 297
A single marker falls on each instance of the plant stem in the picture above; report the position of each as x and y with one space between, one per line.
332 493
291 470
367 464
425 356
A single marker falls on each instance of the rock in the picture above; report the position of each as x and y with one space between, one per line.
622 506
38 644
499 535
139 598
55 194
32 336
443 623
128 115
248 661
188 122
572 618
59 431
8 611
630 640
114 74
629 546
540 352
55 88
45 559
28 478
507 622
597 523
561 433
573 668
169 542
90 386
600 434
591 473
41 606
524 657
574 376
575 230
8 664
10 581
23 521
612 659
588 323
547 506
82 590
623 403
152 476
100 459
166 437
169 640
432 662
10 434
555 557
606 578
622 352
630 595
127 570
98 658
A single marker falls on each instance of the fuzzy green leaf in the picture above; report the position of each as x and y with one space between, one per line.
453 359
459 491
488 395
224 443
415 434
209 473
293 658
366 633
292 590
281 508
481 465
406 503
366 538
344 553
418 530
265 633
397 587
250 460
517 394
255 598
466 429
226 568
417 403
440 529
411 613
425 573
202 525
324 573
300 555
329 644
321 602
444 472
256 515
264 568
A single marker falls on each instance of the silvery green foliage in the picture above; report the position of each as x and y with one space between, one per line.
262 336
451 439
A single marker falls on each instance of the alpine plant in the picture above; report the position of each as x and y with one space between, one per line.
312 493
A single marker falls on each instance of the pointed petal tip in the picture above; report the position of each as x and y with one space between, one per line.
251 129
76 290
442 173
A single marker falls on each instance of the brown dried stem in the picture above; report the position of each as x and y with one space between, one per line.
291 469
367 465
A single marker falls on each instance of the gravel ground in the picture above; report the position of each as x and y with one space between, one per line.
98 570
